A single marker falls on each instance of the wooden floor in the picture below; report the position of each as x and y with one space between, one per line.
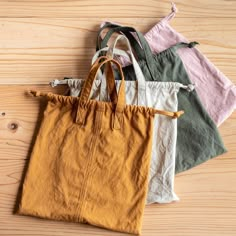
43 40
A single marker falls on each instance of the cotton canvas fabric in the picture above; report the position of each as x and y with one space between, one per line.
162 95
91 159
216 92
198 139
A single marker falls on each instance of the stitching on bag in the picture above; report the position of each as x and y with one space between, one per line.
92 150
58 192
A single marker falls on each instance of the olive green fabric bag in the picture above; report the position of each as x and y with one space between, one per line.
198 139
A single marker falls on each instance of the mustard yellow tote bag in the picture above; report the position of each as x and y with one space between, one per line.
91 159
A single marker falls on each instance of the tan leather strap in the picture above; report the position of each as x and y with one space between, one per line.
85 92
118 100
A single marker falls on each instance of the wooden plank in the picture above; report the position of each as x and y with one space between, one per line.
45 49
107 8
20 117
43 71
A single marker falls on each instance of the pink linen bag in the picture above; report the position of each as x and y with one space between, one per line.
217 93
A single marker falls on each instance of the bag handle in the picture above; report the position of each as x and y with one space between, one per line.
104 26
111 51
138 72
143 53
145 47
100 44
110 84
118 103
142 50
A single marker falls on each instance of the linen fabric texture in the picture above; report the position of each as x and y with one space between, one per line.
216 92
90 161
161 95
198 139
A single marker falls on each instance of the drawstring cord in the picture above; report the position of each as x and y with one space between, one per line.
173 115
189 87
174 10
35 93
56 82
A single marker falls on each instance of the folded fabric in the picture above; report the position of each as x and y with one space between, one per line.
161 95
216 92
198 139
90 161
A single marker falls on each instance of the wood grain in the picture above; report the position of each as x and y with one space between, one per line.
45 49
44 40
115 8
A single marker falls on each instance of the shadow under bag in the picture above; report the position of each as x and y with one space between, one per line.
90 161
198 139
